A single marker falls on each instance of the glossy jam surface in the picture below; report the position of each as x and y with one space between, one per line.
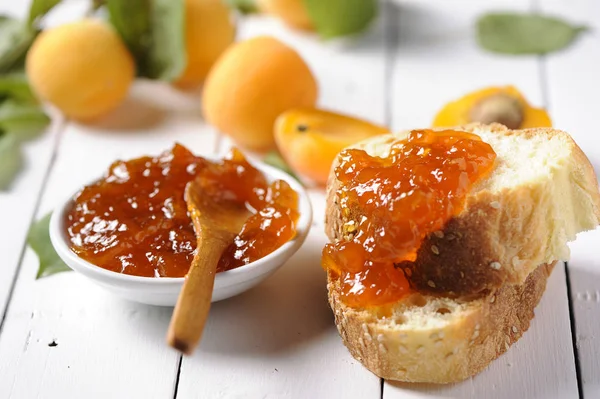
135 220
273 207
400 199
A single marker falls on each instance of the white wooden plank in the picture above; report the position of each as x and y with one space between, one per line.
106 347
584 273
573 88
17 204
437 60
15 214
279 339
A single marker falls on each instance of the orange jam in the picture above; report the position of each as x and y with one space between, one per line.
135 220
399 199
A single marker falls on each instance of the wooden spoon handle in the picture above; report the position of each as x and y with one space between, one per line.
193 304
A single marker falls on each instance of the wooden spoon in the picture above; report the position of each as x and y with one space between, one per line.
216 222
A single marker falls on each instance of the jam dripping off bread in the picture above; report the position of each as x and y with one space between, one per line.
475 283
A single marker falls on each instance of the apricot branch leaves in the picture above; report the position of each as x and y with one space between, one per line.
153 30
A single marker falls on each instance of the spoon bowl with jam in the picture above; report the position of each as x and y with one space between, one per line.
131 233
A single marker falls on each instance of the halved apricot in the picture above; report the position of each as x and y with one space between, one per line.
309 139
504 105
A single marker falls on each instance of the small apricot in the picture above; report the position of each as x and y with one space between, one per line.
83 68
292 12
209 30
310 139
505 105
251 84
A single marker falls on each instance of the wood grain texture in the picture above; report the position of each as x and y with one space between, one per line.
279 340
438 60
572 79
63 336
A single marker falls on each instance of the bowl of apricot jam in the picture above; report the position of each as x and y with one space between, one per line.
131 233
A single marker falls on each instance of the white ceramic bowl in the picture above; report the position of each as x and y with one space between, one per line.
164 291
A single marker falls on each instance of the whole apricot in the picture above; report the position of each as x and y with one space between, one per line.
292 12
209 30
83 68
251 84
310 139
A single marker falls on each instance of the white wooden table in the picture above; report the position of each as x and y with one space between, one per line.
62 337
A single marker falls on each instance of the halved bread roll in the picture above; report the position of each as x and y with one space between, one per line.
476 282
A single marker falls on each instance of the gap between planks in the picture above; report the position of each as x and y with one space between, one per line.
574 332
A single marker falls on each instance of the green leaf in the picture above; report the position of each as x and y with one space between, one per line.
39 8
153 30
11 159
274 159
16 87
513 33
39 240
15 39
22 121
333 18
167 58
131 19
243 6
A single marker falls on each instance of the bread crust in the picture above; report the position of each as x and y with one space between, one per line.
500 237
444 353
